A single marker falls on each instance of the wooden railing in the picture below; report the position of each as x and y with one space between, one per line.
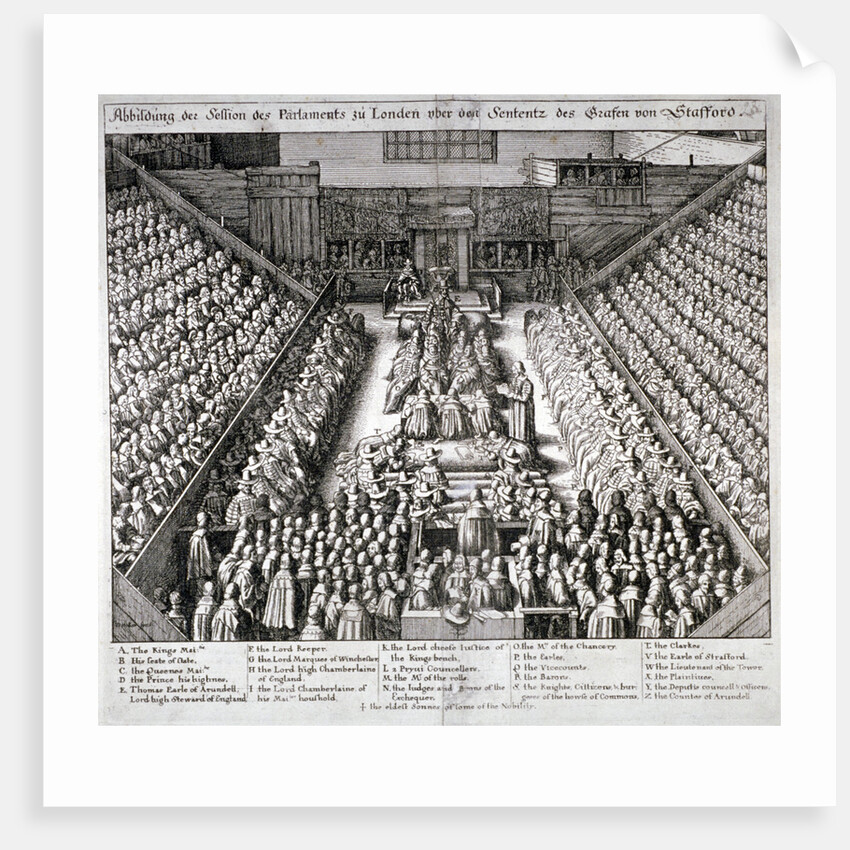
714 507
135 618
156 551
746 615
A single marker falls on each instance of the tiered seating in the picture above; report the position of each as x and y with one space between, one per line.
691 325
639 544
276 453
191 332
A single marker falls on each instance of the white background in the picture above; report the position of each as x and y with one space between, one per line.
84 764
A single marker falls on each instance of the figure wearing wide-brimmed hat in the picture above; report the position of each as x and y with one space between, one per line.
457 613
431 477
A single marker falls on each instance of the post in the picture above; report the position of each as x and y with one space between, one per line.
419 251
462 259
350 254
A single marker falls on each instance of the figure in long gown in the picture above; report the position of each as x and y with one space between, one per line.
229 622
521 413
355 622
281 614
313 630
649 623
199 563
500 586
387 617
480 592
204 613
483 418
420 423
489 368
421 598
631 599
454 418
477 529
608 619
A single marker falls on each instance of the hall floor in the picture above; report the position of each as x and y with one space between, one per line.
365 408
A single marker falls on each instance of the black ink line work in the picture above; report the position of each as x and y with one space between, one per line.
525 397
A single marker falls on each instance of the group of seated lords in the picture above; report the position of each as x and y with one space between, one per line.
275 457
443 380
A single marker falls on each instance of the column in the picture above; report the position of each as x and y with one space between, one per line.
419 253
463 259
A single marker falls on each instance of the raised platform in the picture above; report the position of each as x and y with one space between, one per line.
474 300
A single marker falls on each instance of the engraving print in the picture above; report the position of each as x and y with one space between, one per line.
455 383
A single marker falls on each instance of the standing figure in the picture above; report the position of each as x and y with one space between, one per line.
177 613
204 613
230 622
355 622
387 615
608 619
520 393
199 564
313 630
282 605
477 529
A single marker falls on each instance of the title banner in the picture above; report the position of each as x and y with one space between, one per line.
317 115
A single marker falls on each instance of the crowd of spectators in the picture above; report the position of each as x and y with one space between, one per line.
691 326
639 534
368 255
159 151
551 276
514 256
190 334
312 274
264 491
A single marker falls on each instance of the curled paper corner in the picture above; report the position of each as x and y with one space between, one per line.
793 47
